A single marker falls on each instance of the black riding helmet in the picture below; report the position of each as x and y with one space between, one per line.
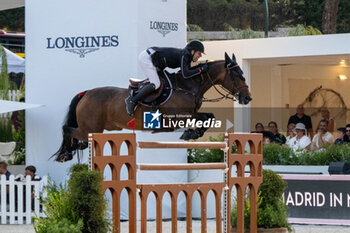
195 45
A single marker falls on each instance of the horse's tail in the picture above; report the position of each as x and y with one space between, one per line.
69 145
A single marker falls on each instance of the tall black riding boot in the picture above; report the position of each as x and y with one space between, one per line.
131 101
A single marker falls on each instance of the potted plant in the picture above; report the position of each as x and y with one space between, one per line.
272 212
78 207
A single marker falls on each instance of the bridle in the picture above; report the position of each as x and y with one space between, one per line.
228 95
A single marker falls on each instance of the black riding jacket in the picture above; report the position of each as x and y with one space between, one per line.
174 58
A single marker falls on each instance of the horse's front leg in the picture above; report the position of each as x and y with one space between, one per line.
197 132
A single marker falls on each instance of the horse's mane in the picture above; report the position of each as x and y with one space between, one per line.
210 63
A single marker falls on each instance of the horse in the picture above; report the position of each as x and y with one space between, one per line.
103 108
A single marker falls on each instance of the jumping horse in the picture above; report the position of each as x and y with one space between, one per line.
103 108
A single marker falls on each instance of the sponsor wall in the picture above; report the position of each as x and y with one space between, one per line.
79 45
321 199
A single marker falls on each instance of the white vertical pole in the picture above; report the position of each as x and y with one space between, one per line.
36 198
3 199
90 151
226 230
20 202
12 199
28 201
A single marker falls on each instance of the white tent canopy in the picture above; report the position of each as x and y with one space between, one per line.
9 4
15 63
10 106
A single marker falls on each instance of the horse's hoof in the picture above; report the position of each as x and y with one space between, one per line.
64 157
189 134
186 135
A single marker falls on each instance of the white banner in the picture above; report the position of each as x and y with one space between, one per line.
72 46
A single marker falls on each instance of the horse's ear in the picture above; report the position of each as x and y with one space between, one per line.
234 58
227 59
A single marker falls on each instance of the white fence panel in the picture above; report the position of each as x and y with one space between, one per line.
19 200
14 95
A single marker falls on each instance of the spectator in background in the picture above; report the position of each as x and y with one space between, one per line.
266 140
276 136
340 136
347 133
30 170
322 137
290 132
300 141
300 117
3 170
326 116
259 127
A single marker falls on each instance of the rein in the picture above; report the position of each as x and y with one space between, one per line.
228 94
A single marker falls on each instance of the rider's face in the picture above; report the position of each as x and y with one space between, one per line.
196 55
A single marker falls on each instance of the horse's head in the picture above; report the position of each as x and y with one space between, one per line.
234 80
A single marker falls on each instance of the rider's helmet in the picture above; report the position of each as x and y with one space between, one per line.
195 45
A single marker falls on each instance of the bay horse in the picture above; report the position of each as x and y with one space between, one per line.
104 108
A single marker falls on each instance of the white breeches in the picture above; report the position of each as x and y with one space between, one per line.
145 62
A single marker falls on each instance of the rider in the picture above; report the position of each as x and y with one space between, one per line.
155 58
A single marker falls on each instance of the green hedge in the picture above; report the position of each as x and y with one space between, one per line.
275 154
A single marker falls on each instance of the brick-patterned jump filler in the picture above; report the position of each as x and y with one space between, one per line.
97 161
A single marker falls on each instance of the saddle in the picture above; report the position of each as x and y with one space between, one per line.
159 96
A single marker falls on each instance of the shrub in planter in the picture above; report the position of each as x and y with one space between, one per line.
87 199
78 207
272 212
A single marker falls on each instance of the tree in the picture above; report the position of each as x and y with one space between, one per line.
329 17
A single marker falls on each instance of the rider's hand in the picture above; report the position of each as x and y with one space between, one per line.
203 68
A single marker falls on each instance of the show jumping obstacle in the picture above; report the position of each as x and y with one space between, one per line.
239 158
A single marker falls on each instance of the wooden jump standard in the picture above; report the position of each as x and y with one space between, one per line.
98 161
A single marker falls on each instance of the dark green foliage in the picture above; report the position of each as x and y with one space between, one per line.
79 207
58 211
246 212
19 136
194 28
245 14
6 130
206 155
274 154
65 226
87 199
4 77
272 212
12 19
79 168
273 216
302 30
271 188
